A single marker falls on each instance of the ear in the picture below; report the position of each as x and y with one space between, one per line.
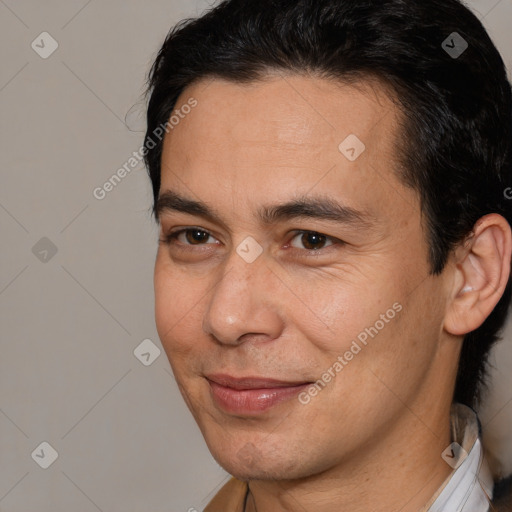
482 270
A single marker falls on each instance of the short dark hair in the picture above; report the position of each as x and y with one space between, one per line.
456 131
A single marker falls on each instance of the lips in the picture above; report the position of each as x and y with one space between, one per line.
252 382
251 395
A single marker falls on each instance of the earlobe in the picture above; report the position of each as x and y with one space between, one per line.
482 272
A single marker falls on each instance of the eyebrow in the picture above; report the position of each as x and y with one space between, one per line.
310 206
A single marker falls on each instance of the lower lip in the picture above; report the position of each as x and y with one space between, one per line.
252 401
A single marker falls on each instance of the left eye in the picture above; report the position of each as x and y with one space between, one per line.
311 240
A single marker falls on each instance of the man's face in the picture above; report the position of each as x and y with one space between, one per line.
292 311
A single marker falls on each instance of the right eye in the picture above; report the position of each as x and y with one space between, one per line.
186 237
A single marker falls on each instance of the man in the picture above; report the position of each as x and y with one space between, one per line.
335 252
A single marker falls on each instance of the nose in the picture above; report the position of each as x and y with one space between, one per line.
244 304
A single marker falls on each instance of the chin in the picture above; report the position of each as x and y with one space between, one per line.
247 474
250 463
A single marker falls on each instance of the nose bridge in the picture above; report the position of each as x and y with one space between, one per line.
238 302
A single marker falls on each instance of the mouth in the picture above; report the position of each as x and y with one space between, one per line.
252 395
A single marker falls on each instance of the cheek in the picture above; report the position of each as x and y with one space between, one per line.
340 311
401 356
362 330
177 304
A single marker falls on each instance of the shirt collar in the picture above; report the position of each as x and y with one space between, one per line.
469 487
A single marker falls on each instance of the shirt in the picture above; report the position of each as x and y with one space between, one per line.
469 487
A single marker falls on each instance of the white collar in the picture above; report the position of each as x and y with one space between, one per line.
469 487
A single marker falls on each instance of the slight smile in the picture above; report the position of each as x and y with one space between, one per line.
251 395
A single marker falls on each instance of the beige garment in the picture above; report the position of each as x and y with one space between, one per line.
231 498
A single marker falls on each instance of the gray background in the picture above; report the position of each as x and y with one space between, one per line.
70 321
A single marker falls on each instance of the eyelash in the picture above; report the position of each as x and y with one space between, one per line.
172 236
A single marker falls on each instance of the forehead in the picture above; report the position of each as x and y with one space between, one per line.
285 134
289 110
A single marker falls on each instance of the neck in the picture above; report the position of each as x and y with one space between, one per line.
399 472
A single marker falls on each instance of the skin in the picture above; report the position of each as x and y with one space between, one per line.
384 419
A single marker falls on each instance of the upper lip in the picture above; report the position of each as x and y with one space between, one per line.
252 382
